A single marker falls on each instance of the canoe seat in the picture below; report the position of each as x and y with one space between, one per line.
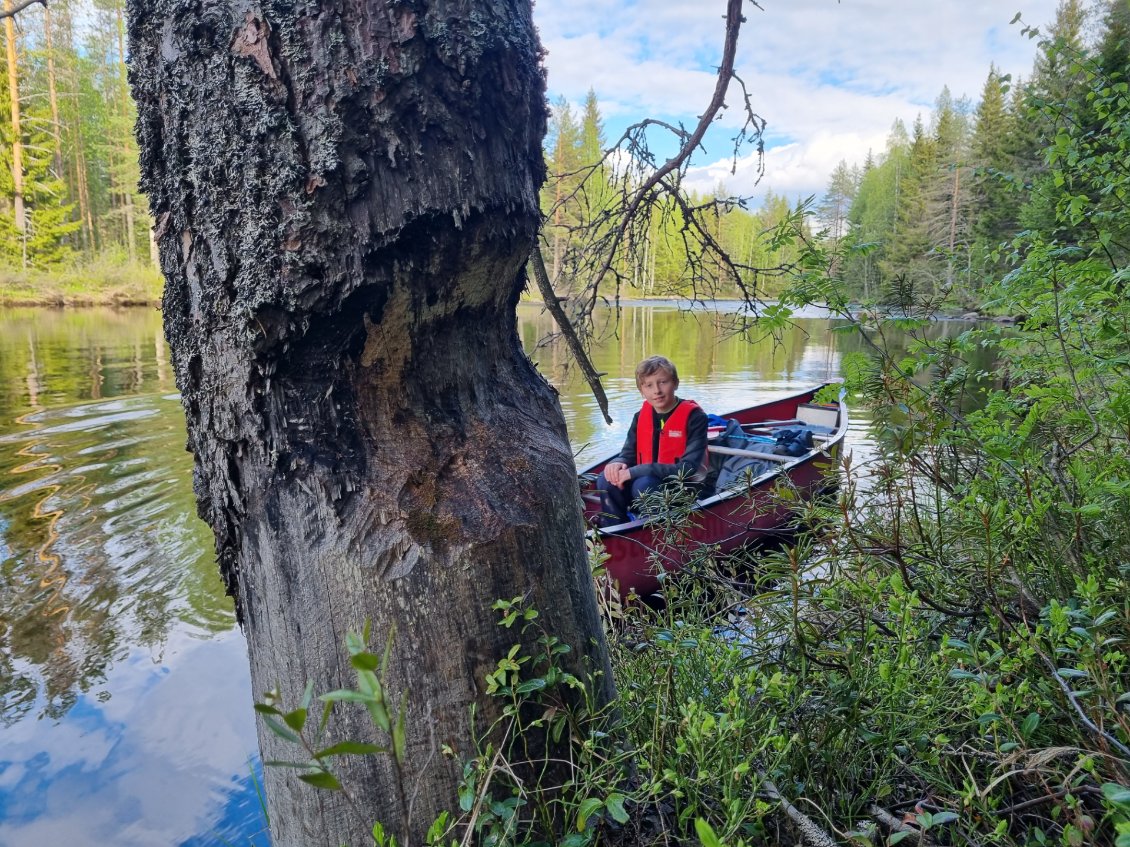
818 416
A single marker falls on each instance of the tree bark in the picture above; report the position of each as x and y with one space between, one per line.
345 195
127 188
56 125
17 142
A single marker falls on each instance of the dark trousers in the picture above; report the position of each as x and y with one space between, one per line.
616 501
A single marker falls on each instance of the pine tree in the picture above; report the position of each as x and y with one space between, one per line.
1114 43
40 236
906 265
18 220
948 193
874 215
994 180
1050 99
564 142
835 206
596 198
592 131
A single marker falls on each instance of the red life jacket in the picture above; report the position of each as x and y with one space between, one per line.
672 438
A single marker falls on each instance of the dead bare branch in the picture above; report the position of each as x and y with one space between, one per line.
734 21
810 831
567 331
894 824
12 11
607 211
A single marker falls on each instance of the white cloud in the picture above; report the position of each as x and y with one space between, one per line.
150 766
829 77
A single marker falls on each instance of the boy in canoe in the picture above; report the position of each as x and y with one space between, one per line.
666 441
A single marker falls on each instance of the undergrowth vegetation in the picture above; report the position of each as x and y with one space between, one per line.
109 280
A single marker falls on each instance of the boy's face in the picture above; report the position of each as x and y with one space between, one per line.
658 389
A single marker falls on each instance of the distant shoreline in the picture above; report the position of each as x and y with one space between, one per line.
132 299
78 302
99 284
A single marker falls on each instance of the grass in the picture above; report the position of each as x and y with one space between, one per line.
103 282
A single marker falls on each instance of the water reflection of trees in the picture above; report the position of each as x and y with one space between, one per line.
101 548
702 344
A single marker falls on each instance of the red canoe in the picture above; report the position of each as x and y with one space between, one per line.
639 552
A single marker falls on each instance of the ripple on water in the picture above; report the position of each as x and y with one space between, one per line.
82 538
102 557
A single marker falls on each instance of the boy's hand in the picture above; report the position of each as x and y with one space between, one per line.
617 473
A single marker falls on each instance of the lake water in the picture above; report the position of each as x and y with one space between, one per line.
125 703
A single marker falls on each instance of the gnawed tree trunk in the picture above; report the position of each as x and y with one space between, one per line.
345 195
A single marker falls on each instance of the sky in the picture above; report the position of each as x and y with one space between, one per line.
829 76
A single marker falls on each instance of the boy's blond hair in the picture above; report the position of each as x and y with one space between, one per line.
652 364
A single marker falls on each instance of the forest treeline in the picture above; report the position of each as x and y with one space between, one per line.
929 217
68 185
934 214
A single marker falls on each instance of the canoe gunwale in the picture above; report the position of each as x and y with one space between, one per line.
828 448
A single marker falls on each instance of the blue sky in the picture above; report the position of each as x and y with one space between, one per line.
829 77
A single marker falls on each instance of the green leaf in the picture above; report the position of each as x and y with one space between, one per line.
354 748
296 719
364 661
1117 794
379 714
615 805
896 837
281 763
388 648
939 818
367 683
466 797
264 709
437 829
1105 617
347 695
308 694
706 834
1030 724
399 732
531 686
281 731
1070 673
589 807
354 644
321 779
